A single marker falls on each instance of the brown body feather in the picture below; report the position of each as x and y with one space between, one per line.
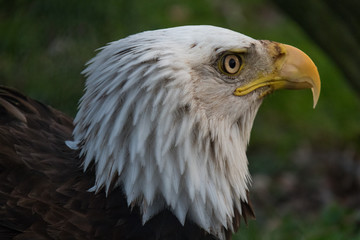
43 189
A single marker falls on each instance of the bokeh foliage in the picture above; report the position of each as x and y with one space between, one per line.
44 45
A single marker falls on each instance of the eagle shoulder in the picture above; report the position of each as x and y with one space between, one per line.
34 165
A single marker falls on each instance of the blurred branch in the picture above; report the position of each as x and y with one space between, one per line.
334 26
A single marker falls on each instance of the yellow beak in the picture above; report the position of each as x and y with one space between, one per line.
293 69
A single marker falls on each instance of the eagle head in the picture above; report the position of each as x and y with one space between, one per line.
167 114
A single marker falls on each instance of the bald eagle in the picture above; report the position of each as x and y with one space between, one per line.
157 148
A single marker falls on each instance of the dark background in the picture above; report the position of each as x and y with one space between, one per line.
305 163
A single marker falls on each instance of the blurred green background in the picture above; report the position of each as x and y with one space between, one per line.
305 163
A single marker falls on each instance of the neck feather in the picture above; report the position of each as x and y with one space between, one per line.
162 155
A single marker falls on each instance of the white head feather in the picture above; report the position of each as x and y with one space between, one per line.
160 120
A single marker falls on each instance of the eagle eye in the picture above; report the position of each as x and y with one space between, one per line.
231 63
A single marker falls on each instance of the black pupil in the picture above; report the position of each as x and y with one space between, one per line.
232 63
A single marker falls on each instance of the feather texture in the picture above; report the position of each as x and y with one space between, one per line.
43 189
